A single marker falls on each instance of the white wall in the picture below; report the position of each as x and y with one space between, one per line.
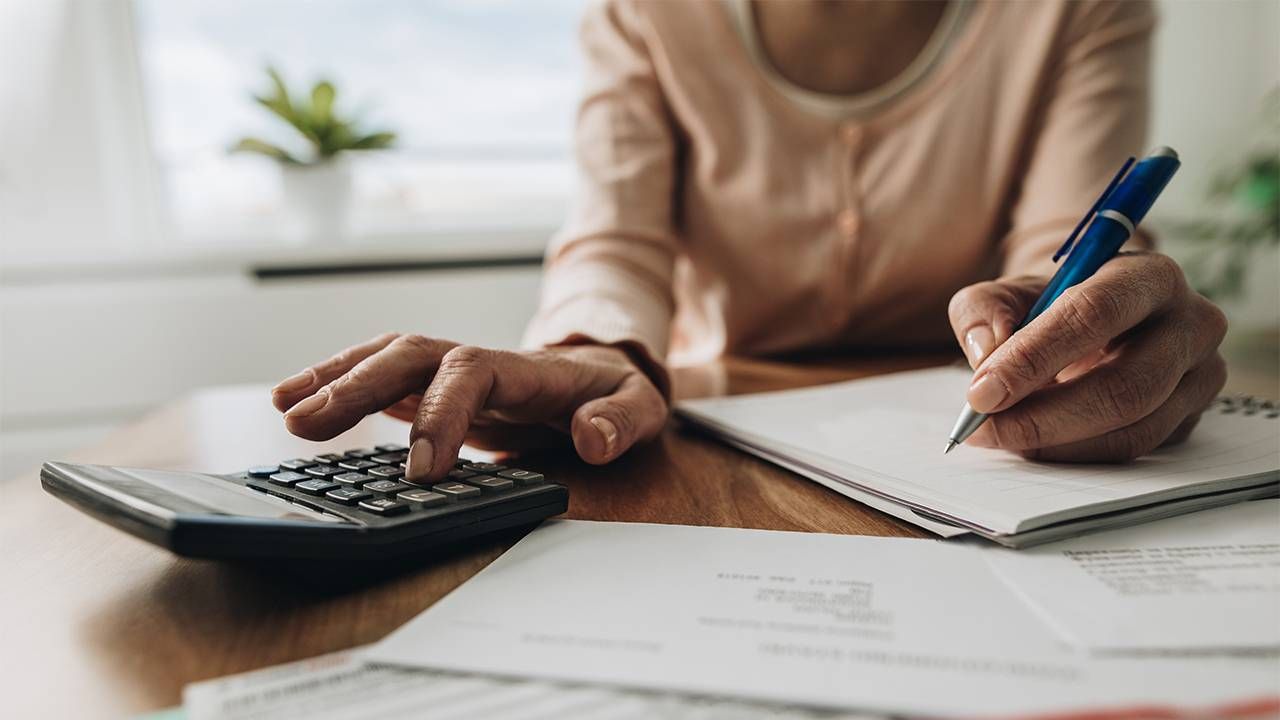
1215 60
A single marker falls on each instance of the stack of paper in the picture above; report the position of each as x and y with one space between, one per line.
886 625
879 441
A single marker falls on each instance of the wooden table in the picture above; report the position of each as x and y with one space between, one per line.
96 623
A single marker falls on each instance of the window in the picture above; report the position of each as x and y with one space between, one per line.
481 93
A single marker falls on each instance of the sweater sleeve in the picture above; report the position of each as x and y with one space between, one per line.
608 273
1093 117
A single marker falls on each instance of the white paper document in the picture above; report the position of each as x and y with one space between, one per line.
868 624
1206 581
343 686
884 436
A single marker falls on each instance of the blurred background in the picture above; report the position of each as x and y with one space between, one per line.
141 259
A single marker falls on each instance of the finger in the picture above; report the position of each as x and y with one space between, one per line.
406 409
1176 416
294 389
542 385
378 382
606 427
983 315
1123 293
1138 378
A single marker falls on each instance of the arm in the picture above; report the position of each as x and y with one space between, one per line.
609 272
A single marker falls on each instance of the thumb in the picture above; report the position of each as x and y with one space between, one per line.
985 314
606 427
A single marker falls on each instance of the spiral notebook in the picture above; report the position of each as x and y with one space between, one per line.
882 437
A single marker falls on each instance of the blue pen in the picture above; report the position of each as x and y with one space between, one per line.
1106 226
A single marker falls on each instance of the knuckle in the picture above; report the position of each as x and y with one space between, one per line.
622 415
961 300
1024 364
1215 321
417 343
1016 431
1089 308
1125 393
463 358
351 391
1216 367
1164 271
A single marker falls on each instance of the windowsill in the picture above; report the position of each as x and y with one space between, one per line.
209 256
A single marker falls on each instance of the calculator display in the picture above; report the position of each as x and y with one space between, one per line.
189 492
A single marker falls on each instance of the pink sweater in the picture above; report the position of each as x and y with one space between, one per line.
716 214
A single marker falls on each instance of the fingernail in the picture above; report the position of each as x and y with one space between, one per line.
297 382
986 393
421 455
608 430
310 405
978 343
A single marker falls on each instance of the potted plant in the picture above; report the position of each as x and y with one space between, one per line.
317 180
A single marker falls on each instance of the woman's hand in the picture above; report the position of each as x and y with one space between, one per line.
1119 365
493 398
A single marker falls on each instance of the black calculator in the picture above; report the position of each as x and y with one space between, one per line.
352 505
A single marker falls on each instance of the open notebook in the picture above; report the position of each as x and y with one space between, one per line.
880 440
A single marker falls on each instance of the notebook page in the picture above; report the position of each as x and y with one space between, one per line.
888 432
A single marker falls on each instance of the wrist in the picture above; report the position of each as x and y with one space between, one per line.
628 351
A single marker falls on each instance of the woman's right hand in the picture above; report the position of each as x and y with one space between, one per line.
459 393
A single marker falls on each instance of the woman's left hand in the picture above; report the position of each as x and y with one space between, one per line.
1119 365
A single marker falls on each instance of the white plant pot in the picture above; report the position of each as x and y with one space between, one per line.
317 201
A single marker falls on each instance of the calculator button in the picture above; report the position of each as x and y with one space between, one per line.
288 478
356 464
328 458
461 463
348 495
391 448
423 496
457 491
387 471
488 483
523 477
384 506
323 471
315 487
261 471
483 467
389 487
362 453
460 474
297 464
352 479
390 458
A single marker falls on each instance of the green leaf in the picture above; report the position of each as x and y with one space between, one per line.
283 111
374 141
322 103
262 147
281 96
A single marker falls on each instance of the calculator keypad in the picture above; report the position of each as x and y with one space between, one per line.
384 506
457 491
371 480
389 487
348 495
288 478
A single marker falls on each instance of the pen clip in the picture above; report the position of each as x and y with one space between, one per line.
1071 239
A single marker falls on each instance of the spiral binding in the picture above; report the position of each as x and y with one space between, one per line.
1247 405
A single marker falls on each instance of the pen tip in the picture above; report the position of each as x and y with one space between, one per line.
951 445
